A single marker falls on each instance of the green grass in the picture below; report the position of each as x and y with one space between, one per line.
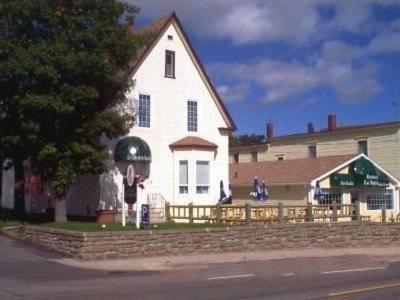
93 227
9 223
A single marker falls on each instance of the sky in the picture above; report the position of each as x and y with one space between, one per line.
295 61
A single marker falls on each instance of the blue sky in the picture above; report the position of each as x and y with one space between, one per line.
295 61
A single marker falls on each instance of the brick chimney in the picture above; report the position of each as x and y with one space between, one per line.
310 127
270 131
331 122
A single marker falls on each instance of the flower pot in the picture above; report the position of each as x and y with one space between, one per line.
105 216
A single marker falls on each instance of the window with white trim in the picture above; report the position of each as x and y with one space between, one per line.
144 111
236 158
328 196
380 200
169 64
192 116
183 177
363 147
202 177
254 156
312 151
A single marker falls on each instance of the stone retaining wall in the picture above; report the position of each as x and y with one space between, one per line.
107 245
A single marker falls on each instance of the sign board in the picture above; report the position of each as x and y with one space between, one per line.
145 216
362 173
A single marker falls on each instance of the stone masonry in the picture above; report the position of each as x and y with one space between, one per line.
109 245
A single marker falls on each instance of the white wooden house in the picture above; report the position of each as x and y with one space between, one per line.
180 140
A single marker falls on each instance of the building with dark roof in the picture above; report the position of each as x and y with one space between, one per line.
380 142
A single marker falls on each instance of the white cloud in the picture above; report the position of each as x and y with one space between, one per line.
233 92
261 21
282 81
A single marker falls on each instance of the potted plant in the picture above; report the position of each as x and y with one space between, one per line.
105 215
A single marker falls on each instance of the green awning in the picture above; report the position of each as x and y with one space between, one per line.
132 149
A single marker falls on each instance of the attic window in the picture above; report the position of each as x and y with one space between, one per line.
169 64
170 37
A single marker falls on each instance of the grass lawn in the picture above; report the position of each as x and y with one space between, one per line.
91 226
9 223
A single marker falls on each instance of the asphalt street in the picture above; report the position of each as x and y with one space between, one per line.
28 272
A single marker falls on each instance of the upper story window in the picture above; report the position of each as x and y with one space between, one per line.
236 158
280 157
202 177
363 147
312 151
169 64
254 156
192 116
144 110
183 177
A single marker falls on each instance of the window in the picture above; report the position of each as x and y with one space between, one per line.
380 200
183 177
169 64
254 156
236 157
312 151
327 196
280 157
202 177
363 147
144 111
170 37
192 116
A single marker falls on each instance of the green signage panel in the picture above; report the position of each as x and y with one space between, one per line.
362 173
132 149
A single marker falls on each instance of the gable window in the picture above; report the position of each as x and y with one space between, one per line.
169 64
192 116
183 177
363 147
312 151
144 110
202 177
236 157
254 156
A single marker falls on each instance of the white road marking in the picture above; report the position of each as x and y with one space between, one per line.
231 277
288 274
353 270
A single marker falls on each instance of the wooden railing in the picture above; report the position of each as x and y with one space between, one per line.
267 214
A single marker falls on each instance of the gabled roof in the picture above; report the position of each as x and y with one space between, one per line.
285 172
155 31
193 142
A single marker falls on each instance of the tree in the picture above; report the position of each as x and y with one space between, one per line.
246 140
63 65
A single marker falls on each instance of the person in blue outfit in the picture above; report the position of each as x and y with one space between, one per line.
263 192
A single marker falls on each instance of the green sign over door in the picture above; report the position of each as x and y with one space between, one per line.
362 173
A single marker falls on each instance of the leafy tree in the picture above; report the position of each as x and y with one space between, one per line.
63 65
246 140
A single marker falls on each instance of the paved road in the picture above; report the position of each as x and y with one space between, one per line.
27 272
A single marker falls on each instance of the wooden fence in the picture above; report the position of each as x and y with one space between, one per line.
267 214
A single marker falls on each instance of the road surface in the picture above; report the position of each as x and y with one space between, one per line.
27 272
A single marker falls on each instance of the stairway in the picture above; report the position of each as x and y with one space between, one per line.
157 207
